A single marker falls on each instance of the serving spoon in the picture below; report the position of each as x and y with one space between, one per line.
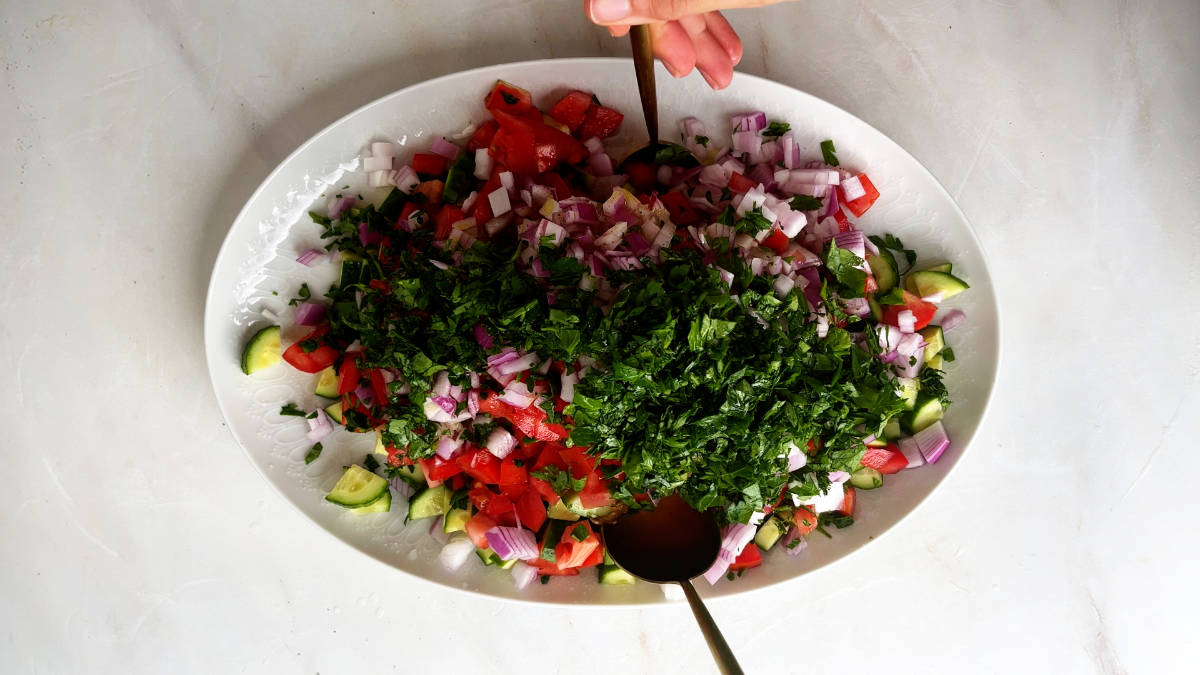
672 544
643 67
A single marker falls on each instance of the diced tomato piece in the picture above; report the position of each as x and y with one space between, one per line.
777 240
438 469
594 494
514 479
483 206
480 495
885 460
749 557
316 360
528 147
859 206
805 519
577 544
530 510
572 108
842 221
432 190
549 569
600 122
458 481
379 386
477 526
870 285
848 500
681 210
510 99
594 558
739 183
447 216
348 377
514 148
480 465
498 507
922 311
577 459
429 163
642 176
482 137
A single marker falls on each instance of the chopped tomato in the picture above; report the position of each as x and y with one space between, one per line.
477 526
600 122
499 507
922 311
859 206
348 377
572 108
530 420
777 240
316 360
848 500
547 568
842 221
480 465
509 99
429 163
885 460
642 176
749 557
580 463
594 493
480 495
446 217
530 510
483 205
379 386
432 190
438 469
681 210
482 137
577 544
514 479
870 285
594 558
739 183
805 519
533 147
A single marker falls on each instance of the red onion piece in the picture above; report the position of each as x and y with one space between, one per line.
309 313
311 256
510 543
445 148
932 441
953 318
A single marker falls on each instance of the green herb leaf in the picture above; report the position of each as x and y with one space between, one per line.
829 153
776 129
291 409
313 453
805 203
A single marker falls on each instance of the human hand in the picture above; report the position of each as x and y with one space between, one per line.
686 34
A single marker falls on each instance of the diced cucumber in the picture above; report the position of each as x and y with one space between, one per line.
459 177
575 504
876 309
327 381
613 575
770 532
883 267
929 282
559 511
892 430
927 411
380 448
935 341
357 487
489 557
381 505
432 502
877 443
412 474
935 362
264 350
554 530
456 521
866 478
944 267
908 390
335 412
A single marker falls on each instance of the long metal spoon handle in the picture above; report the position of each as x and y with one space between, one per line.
721 652
643 65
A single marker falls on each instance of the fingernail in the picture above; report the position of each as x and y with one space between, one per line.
708 79
672 70
605 11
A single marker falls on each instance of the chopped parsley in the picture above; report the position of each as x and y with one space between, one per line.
291 409
702 140
829 153
313 454
805 203
302 295
776 129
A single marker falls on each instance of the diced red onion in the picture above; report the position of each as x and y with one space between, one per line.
337 205
495 224
447 446
367 236
473 402
569 380
601 164
439 264
309 313
499 201
952 319
734 538
906 321
383 149
437 530
481 336
797 548
932 441
852 241
796 458
790 150
838 476
523 575
507 180
364 393
518 365
441 384
507 354
594 145
374 164
753 121
783 285
446 403
714 175
852 189
483 164
401 487
310 256
405 179
911 451
510 543
319 427
517 395
456 552
747 142
501 443
822 324
445 148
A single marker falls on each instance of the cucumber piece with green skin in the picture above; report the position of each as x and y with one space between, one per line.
264 350
575 504
559 511
883 268
432 502
335 413
926 412
770 532
612 575
327 381
876 309
877 443
381 505
944 267
456 521
866 478
489 557
554 530
935 362
908 391
935 341
412 474
929 283
892 430
357 487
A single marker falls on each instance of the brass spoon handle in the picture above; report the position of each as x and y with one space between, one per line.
721 652
643 65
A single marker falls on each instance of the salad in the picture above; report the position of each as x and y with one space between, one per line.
542 339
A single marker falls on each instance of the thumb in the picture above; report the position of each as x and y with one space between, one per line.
610 12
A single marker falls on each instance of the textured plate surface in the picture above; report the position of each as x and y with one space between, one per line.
256 273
